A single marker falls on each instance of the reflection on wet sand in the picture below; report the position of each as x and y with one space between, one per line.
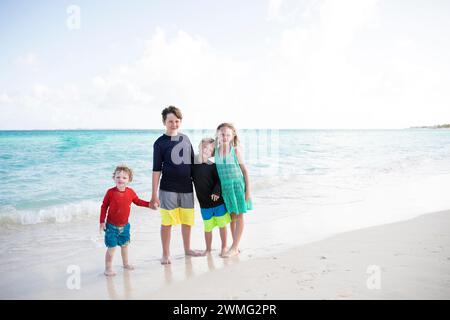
192 266
210 260
188 269
111 286
168 276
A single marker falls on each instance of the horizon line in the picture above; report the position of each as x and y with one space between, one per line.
263 128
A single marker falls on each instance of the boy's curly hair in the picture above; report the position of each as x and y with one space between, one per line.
124 168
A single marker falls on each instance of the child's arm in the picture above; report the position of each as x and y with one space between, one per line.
104 210
155 182
217 189
240 157
157 167
139 202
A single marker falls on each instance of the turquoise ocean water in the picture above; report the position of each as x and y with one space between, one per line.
57 176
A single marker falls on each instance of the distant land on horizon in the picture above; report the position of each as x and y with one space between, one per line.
439 126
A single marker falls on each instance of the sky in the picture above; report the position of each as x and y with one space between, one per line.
312 64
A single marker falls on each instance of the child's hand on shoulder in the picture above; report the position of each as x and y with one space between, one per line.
215 197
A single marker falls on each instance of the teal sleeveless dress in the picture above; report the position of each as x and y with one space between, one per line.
232 182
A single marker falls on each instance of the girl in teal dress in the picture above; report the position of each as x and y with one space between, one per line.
234 181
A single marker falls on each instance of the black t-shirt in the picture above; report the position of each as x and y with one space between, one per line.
174 156
206 182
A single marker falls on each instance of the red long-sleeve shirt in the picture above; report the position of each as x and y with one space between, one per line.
117 205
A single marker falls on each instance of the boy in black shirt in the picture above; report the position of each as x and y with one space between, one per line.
207 188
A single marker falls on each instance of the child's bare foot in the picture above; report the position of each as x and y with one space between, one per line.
194 253
128 267
223 252
109 273
206 252
231 253
165 260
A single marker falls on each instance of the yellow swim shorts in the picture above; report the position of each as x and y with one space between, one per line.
176 208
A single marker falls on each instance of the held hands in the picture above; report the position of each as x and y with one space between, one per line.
154 203
215 197
102 227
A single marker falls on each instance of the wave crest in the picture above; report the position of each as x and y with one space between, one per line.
9 215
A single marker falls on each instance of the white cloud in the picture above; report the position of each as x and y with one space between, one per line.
28 60
329 69
183 71
5 99
274 10
310 72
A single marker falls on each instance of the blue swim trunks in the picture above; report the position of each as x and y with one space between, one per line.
208 213
215 217
117 236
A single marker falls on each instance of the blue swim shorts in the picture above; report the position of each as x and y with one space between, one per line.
208 213
117 236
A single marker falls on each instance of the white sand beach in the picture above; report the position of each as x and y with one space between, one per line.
412 259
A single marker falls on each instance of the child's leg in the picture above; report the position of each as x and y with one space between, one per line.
233 224
210 260
234 250
208 241
108 262
165 241
124 252
223 238
186 211
186 232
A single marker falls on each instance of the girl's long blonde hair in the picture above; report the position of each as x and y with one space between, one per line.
235 142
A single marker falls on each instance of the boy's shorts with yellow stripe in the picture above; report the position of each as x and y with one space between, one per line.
176 208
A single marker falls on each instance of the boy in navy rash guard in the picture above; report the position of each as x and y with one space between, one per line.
173 158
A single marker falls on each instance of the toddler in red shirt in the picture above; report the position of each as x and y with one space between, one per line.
115 211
